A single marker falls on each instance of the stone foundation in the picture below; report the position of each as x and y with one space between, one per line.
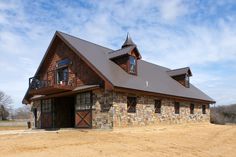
109 110
145 112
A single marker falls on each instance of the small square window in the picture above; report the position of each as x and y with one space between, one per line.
203 109
157 106
191 108
177 107
46 105
131 104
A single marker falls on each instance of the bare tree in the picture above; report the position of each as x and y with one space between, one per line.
5 107
223 114
22 113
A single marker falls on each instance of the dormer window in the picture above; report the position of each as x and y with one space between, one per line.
127 56
132 65
181 75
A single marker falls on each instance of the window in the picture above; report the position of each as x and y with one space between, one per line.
46 105
132 65
131 104
187 81
157 106
83 101
191 108
63 63
62 75
203 109
176 107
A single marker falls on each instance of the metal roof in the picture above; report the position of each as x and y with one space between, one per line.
181 71
150 77
120 52
128 42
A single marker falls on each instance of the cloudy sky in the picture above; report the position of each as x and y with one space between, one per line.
173 33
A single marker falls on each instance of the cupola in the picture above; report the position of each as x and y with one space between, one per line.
128 42
127 56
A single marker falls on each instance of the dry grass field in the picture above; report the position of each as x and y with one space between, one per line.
185 140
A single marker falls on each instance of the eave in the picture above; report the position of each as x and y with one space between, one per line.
160 95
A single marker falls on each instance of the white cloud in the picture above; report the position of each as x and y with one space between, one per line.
170 10
170 33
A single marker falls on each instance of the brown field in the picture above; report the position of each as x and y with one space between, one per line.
12 128
186 140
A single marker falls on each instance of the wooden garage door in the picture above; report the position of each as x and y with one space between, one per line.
83 110
46 114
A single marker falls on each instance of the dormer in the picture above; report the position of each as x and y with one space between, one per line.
181 75
127 56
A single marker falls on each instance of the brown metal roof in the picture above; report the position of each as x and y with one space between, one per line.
150 78
120 52
128 42
181 71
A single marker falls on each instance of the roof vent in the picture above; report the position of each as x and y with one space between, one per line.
146 83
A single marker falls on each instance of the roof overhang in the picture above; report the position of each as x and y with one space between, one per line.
76 90
160 95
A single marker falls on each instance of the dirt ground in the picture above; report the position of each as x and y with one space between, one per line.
185 140
12 128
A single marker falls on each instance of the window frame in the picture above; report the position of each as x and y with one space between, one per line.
135 66
46 105
192 107
83 101
187 81
203 109
66 64
157 106
177 107
65 75
131 104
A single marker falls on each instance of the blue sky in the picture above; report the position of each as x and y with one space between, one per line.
173 33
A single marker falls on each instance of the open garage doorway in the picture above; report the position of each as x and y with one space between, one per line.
63 112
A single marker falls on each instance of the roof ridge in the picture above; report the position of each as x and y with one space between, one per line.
85 40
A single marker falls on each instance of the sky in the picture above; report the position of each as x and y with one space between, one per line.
200 34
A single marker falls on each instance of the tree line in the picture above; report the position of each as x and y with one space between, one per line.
7 111
223 114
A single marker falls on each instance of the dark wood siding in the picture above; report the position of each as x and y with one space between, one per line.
79 69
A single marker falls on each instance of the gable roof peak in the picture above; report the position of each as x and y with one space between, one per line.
128 41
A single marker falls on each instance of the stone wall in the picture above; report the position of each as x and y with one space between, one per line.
36 104
109 110
145 112
102 110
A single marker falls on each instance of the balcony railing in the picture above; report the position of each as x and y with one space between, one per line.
53 79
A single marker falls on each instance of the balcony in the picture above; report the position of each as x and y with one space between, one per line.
56 81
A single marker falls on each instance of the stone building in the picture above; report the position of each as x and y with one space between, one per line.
84 85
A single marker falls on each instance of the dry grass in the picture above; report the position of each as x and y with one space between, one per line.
185 140
12 128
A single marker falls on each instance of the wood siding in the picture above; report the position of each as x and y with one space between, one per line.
78 69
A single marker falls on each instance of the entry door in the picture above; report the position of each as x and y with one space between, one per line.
83 110
46 113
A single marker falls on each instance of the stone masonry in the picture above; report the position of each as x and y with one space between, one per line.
109 109
117 115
